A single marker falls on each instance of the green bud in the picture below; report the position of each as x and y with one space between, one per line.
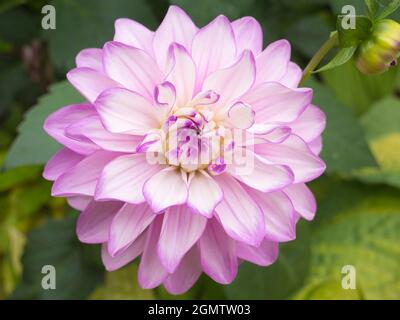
380 51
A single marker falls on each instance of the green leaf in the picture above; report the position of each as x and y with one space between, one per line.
352 37
362 232
279 280
372 8
382 128
341 58
33 145
389 7
78 266
88 24
16 176
202 12
344 145
122 284
308 33
359 91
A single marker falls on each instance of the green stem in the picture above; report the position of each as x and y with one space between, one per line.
317 58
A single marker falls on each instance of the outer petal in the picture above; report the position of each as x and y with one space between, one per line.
303 200
316 145
90 83
94 223
204 194
274 102
310 124
279 215
82 178
234 81
293 76
79 203
183 73
58 121
134 34
176 27
124 177
61 162
264 255
124 111
213 47
186 274
180 231
124 257
260 174
92 128
273 62
151 272
165 189
218 254
294 153
90 58
240 216
248 35
133 68
127 225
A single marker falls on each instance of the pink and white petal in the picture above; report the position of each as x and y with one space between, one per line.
183 73
124 177
316 145
240 116
274 102
264 255
90 83
310 124
204 98
302 199
165 95
234 81
90 58
124 111
258 173
204 194
82 178
180 231
295 154
61 162
213 48
58 121
94 222
151 272
134 34
279 215
187 273
127 225
248 35
92 128
135 69
176 27
293 76
124 257
273 62
240 216
79 203
165 189
278 135
218 253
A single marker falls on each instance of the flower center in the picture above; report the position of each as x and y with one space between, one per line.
193 139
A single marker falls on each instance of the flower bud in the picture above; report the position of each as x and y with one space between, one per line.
380 51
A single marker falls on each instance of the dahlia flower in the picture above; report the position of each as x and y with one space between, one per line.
192 150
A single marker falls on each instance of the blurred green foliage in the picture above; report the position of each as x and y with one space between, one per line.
358 220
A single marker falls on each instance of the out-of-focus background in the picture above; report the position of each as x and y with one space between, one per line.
358 220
